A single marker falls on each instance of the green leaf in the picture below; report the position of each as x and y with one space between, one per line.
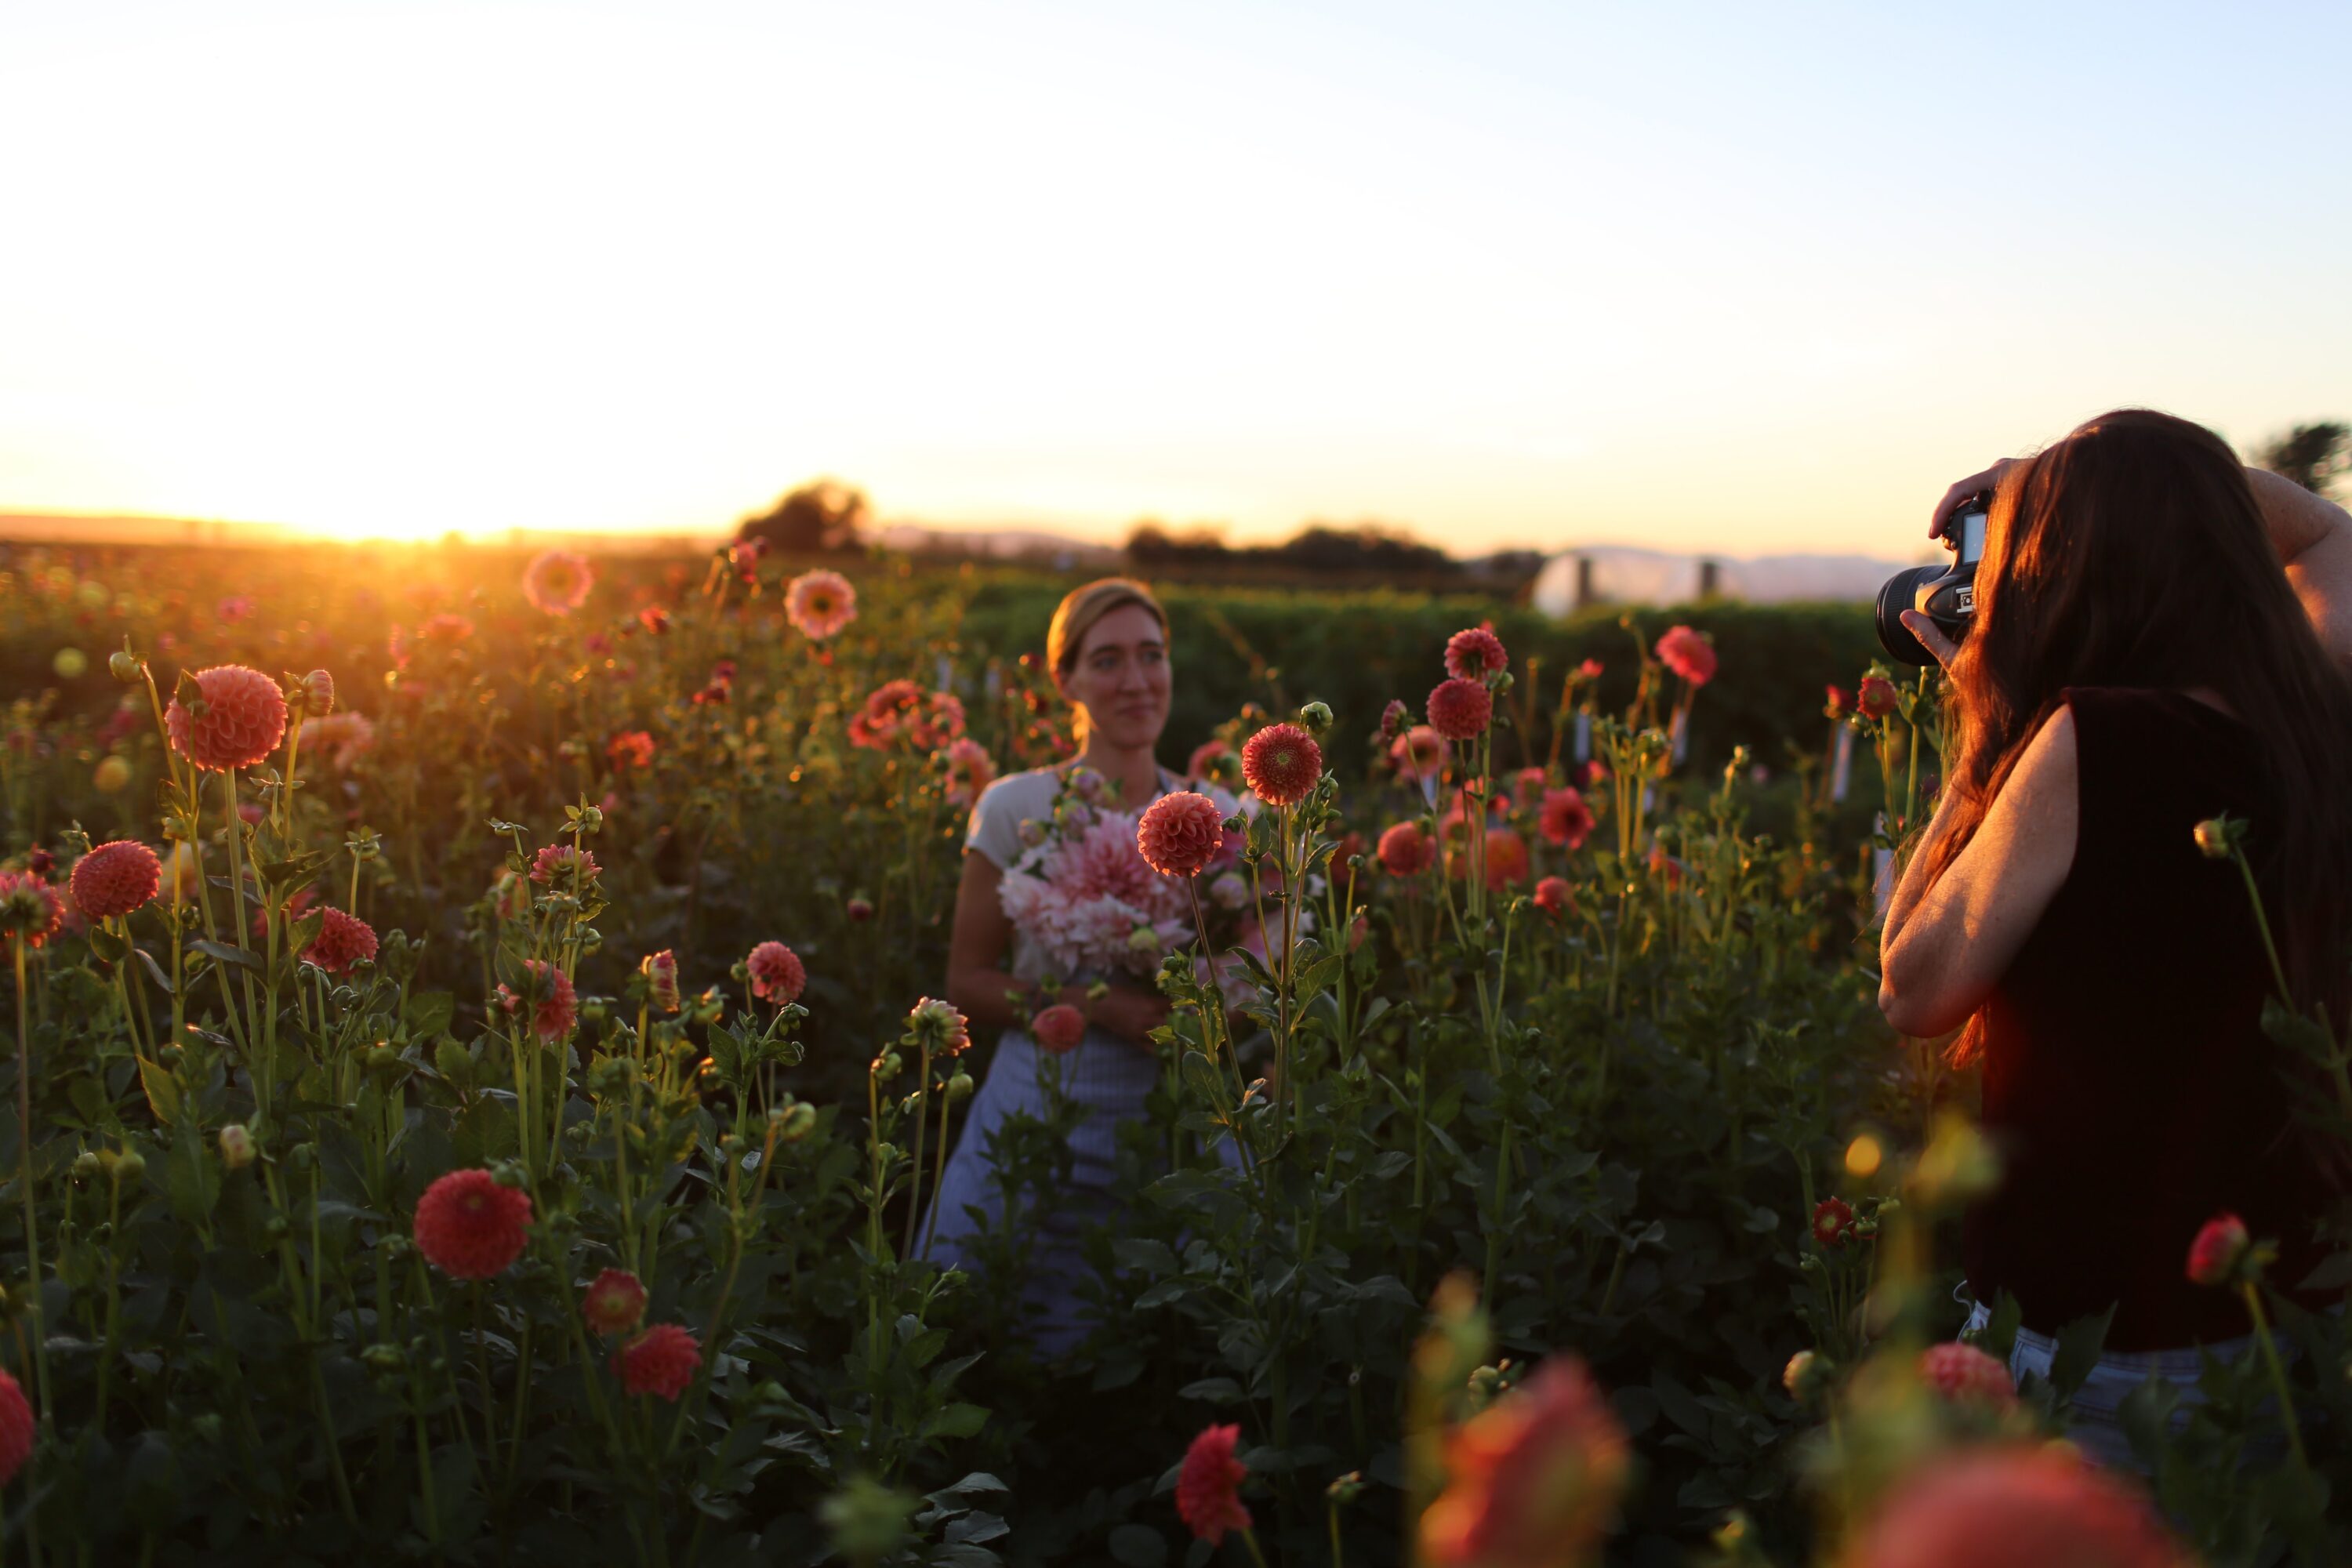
957 1420
427 1014
155 975
1138 1546
190 1179
2078 1352
221 952
163 1091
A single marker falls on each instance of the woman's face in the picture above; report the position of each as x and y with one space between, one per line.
1121 678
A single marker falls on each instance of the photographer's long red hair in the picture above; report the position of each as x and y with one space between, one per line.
2133 554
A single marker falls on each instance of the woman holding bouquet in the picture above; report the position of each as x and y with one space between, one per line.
1107 651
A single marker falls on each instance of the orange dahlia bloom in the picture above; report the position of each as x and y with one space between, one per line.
470 1227
1405 850
238 719
1281 763
1180 833
2015 1505
116 879
1534 1478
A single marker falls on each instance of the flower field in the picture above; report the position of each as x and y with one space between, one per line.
476 1076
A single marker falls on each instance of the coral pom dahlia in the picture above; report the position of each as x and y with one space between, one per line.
556 1006
556 865
237 718
342 941
1475 653
1688 654
1553 896
820 603
1058 1029
1281 763
660 1361
557 582
614 1302
1461 709
1965 1374
1209 1485
777 973
2015 1505
470 1227
1564 818
1180 833
116 879
1405 850
30 910
16 1428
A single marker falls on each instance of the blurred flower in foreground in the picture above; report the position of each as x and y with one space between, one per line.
2016 1507
1533 1479
557 582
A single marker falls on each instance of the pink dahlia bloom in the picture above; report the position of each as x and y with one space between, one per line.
1059 1028
661 1360
1688 654
2016 1505
820 604
18 1428
1554 896
554 866
1418 754
1405 850
1475 653
1532 1479
342 941
1461 709
2221 1246
1965 1374
116 879
557 1006
947 1031
1281 763
614 1304
343 737
1209 1485
1565 819
777 973
242 718
1208 762
661 970
970 770
1180 833
30 910
470 1227
557 582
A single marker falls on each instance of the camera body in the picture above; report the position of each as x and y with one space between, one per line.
1945 595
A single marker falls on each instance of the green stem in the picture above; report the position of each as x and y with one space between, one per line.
25 1176
2278 1372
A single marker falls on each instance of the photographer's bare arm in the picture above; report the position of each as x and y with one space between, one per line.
2312 536
1945 946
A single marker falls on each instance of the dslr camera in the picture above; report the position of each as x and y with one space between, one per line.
1945 595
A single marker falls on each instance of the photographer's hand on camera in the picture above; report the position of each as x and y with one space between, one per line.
1988 480
1931 637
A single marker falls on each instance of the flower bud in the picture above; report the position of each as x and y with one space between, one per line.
2219 1251
800 1120
235 1146
1395 719
1316 717
2219 837
130 1166
960 1087
860 911
125 666
86 1165
318 693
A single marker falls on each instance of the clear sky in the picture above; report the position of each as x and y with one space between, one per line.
1731 277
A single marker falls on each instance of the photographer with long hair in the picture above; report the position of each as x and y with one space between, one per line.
2160 637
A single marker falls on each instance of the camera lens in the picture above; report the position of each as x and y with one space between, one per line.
1897 595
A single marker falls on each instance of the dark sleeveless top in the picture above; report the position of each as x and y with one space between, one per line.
2127 1078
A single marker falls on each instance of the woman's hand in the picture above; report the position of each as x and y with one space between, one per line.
1931 636
1128 1013
1990 479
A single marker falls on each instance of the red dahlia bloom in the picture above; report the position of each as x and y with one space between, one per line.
1209 1485
660 1361
820 604
1832 1222
470 1227
30 910
1553 896
557 582
1839 703
342 941
1405 850
2220 1247
2024 1506
777 973
244 719
16 1428
1281 762
1533 1479
1965 1374
1565 819
1877 698
1058 1029
614 1302
1461 709
555 864
631 749
1688 654
1181 833
116 879
558 1005
1507 855
1475 653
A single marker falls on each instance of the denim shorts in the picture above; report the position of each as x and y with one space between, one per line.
2092 1424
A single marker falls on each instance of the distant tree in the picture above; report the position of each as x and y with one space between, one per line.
1366 547
1150 544
816 518
2310 455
